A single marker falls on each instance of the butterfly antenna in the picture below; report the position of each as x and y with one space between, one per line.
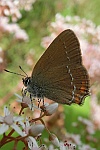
14 73
23 70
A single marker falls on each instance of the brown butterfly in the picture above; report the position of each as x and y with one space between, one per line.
59 74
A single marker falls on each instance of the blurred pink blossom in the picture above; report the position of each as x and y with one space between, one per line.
75 138
90 128
95 111
24 4
12 28
8 8
11 9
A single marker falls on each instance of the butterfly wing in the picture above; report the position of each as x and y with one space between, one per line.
60 72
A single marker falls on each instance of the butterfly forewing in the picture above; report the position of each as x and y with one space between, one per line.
63 48
59 71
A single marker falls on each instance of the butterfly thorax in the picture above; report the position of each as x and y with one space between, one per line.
32 87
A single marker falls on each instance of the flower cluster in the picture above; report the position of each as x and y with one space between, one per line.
29 130
12 28
24 4
11 9
77 138
9 15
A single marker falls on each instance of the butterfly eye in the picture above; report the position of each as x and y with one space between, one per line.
26 81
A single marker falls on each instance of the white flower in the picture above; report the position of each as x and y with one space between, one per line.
66 146
62 146
26 127
26 102
71 147
10 121
32 144
50 109
32 130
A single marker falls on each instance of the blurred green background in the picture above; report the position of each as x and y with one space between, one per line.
35 22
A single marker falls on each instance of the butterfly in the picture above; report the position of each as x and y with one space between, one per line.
59 74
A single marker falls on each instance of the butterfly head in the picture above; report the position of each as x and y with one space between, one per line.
26 81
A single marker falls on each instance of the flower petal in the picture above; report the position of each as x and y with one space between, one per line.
22 124
17 95
3 128
32 142
62 147
27 122
17 118
31 107
19 101
17 129
1 119
44 147
6 111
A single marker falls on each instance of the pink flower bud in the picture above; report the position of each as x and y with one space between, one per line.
50 109
54 139
36 129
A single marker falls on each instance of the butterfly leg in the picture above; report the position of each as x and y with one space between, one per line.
24 91
31 101
39 101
